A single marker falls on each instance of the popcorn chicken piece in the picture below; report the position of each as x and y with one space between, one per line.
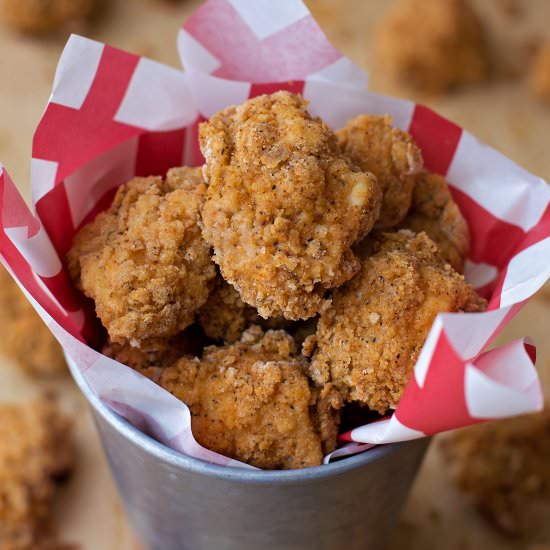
144 261
35 455
369 339
283 205
252 401
373 144
189 342
40 16
225 316
26 339
503 466
433 45
436 213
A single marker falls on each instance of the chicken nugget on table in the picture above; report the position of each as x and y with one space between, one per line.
503 467
36 454
433 46
26 339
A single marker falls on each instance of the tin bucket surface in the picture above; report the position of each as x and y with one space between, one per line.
176 502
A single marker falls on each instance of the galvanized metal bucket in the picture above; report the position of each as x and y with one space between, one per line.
176 502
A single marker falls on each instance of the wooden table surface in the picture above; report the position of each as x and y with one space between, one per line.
500 113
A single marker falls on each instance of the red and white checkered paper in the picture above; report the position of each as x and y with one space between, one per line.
113 115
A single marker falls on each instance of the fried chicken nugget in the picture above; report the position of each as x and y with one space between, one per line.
503 466
225 316
539 80
283 206
252 401
35 455
144 261
391 155
189 342
433 45
26 339
368 341
436 213
39 16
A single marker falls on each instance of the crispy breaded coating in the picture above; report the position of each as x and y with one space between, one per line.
539 80
26 339
189 342
225 316
433 45
368 341
436 213
283 206
504 467
35 455
252 401
144 261
391 154
40 16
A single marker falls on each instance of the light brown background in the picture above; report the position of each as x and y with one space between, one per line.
500 113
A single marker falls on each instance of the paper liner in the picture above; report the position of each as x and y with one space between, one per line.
113 115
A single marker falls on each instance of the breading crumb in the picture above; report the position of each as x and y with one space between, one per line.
26 339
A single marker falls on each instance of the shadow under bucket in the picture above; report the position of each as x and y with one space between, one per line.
176 502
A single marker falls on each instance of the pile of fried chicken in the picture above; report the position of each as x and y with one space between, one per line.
298 271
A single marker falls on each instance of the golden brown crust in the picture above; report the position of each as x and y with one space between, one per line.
225 316
433 45
144 261
189 342
436 213
373 144
539 80
38 16
35 454
283 206
503 466
368 341
252 401
26 339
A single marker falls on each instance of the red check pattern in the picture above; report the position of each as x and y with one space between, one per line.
442 394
